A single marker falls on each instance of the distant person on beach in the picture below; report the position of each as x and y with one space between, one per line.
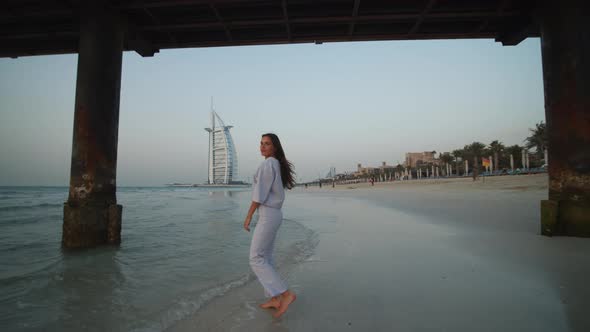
273 175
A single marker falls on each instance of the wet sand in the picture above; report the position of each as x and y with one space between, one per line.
438 256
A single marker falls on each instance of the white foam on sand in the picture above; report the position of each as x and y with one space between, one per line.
190 304
378 268
193 302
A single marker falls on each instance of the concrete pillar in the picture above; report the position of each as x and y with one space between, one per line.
91 214
491 167
466 167
565 49
512 162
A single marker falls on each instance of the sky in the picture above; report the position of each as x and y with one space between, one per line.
332 105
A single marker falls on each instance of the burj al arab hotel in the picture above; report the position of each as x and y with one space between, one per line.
223 160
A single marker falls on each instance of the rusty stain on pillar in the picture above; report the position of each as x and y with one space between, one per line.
565 47
91 214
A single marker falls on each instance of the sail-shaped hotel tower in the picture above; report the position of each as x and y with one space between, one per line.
223 160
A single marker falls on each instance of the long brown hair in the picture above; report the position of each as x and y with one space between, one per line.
287 172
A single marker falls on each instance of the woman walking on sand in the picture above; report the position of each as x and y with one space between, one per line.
268 193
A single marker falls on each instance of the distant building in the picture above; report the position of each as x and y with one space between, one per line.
417 158
384 167
223 160
360 170
332 173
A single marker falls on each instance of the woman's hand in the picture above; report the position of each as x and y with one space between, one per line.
247 223
253 208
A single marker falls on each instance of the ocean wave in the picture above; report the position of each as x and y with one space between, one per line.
294 254
301 250
187 306
26 246
189 198
31 271
26 207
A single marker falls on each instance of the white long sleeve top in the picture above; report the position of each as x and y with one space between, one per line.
267 186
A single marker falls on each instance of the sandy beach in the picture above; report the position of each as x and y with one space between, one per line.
429 255
522 182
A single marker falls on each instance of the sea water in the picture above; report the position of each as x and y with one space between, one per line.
181 248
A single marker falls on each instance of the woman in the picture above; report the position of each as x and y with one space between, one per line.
274 174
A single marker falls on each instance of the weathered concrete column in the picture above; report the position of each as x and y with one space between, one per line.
91 214
565 46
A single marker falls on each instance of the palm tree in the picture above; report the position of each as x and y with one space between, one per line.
399 169
475 150
496 147
446 158
386 173
459 155
514 151
539 139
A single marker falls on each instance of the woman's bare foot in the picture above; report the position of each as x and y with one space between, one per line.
274 302
286 299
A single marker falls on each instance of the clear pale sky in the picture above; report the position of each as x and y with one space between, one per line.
335 104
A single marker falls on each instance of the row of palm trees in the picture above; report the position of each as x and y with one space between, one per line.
536 143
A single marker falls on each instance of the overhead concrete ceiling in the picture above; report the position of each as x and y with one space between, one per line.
36 27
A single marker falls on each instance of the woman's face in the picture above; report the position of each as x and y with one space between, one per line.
266 147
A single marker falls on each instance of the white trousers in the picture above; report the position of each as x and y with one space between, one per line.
263 240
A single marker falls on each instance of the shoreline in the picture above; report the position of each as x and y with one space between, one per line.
539 181
387 261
